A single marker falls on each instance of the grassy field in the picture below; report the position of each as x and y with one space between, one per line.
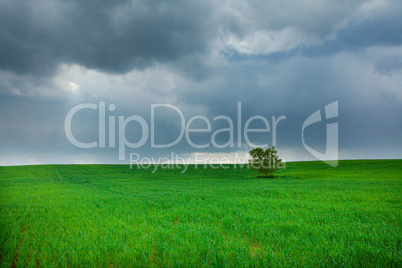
111 215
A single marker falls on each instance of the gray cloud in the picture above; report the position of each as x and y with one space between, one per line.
202 56
114 36
119 36
383 28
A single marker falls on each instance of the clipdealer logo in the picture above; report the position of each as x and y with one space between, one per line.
147 130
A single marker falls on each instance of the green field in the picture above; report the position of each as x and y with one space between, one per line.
311 214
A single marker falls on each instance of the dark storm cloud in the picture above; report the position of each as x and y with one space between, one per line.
111 36
118 36
274 57
382 29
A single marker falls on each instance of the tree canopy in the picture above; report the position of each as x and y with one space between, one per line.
265 161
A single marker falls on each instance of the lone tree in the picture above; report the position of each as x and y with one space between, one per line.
265 162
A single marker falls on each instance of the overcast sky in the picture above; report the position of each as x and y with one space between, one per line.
275 58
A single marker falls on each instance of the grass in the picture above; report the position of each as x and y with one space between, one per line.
110 215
